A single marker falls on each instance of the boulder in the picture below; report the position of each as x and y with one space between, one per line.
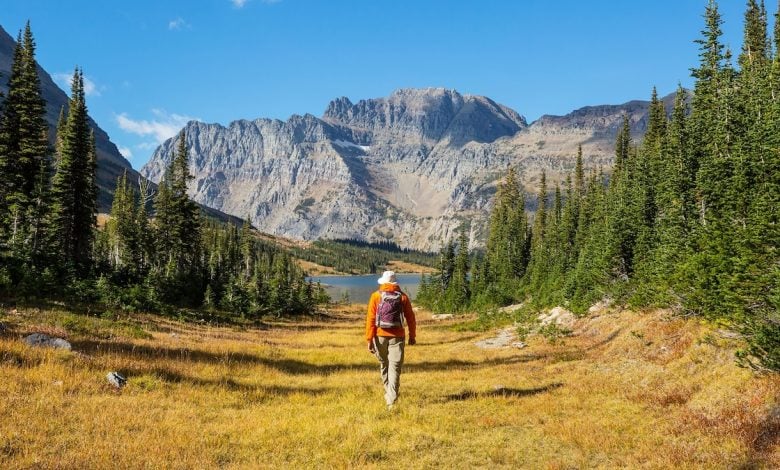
599 306
41 340
116 379
442 316
504 338
511 308
558 316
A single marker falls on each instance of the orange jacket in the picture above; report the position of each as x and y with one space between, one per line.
371 328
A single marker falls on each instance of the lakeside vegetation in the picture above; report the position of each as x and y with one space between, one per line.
689 219
360 257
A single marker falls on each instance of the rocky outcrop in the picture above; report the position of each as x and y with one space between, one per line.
410 168
111 163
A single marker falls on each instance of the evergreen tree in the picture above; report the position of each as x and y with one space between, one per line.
457 294
178 232
447 267
73 186
24 155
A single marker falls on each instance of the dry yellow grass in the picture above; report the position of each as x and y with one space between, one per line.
627 391
400 266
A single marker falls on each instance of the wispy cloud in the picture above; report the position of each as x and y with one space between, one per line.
64 80
241 3
178 24
147 146
161 127
126 152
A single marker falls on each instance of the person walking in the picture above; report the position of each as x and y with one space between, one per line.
389 310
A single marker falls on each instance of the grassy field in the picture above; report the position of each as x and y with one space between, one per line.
624 391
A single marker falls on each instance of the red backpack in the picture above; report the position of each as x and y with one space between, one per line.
390 312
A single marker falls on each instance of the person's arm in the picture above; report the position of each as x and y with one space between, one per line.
410 319
371 322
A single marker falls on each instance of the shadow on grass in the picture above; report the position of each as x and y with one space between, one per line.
502 392
286 365
188 355
227 383
606 340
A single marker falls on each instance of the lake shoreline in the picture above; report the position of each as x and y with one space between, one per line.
358 288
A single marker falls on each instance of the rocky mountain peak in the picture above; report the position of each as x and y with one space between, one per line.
427 116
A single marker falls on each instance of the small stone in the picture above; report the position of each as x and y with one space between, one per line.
519 344
116 379
57 383
442 316
40 340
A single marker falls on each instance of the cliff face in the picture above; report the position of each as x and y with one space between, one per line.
111 163
410 168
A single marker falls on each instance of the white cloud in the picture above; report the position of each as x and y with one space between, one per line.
162 127
241 3
178 24
126 152
147 146
65 78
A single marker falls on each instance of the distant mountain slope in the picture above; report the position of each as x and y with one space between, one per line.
409 168
110 162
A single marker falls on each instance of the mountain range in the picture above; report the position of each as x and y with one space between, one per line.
410 168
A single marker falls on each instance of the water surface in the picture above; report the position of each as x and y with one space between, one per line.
359 288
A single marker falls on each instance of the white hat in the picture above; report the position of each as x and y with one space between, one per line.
388 277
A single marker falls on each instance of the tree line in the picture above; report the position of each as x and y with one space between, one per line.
687 219
360 257
156 252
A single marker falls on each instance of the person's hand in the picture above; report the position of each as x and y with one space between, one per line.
412 341
371 347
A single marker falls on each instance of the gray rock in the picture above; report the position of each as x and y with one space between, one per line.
45 341
503 339
116 379
442 316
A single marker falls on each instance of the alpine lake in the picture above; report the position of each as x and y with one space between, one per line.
358 289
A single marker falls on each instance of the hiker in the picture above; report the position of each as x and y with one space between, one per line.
388 310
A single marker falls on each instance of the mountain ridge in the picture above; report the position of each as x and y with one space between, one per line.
409 168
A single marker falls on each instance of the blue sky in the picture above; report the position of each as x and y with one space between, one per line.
152 65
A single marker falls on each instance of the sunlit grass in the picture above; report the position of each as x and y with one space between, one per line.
627 390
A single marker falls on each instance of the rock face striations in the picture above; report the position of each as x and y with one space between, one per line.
111 163
410 168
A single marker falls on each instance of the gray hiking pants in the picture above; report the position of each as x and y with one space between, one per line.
390 352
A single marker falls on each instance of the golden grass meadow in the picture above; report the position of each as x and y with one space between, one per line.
626 390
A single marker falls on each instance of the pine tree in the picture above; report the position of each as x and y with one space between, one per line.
24 153
537 268
74 187
178 231
447 264
457 294
507 251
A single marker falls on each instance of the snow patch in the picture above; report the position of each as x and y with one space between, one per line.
346 144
